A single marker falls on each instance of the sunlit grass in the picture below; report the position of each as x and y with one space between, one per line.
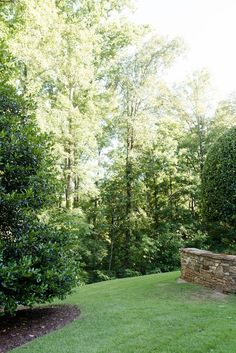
145 314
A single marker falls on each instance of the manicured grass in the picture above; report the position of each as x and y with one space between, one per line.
150 314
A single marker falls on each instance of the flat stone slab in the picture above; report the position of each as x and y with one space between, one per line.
210 254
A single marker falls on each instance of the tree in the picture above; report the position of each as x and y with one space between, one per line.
131 149
192 104
138 83
219 191
35 265
225 117
138 86
65 47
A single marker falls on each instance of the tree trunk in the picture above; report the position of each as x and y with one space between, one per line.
171 197
112 232
155 204
201 140
128 177
69 186
70 183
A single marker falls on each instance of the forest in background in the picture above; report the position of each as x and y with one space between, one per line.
129 147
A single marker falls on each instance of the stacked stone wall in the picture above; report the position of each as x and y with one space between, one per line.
217 271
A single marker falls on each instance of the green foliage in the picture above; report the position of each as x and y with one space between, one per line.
35 262
88 247
219 189
68 49
225 117
130 149
35 266
24 158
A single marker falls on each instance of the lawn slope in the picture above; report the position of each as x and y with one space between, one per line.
150 314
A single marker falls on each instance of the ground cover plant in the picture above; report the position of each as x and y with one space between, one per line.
145 315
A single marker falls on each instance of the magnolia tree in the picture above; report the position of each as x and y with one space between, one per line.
35 264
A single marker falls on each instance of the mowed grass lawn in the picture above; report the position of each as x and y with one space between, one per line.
149 314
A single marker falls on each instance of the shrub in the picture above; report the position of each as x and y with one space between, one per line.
219 189
35 265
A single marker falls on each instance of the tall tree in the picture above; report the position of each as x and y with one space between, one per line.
138 84
225 117
193 105
64 46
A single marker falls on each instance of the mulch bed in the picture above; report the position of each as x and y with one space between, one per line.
29 324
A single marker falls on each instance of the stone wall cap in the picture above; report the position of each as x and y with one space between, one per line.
195 250
207 253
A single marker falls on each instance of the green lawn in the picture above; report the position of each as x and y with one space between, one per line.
149 314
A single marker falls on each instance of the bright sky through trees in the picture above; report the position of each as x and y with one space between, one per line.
208 28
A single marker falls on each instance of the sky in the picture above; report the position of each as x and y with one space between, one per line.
208 28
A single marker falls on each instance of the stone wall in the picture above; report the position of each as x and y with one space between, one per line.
217 271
